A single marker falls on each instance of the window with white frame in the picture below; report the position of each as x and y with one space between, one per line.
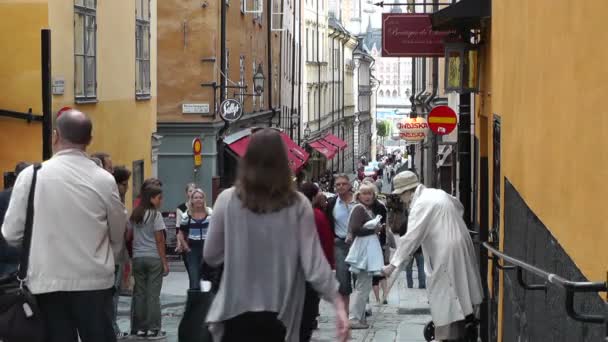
85 50
142 49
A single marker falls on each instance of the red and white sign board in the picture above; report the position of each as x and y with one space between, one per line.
442 120
413 129
411 35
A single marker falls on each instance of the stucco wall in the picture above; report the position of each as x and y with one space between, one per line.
549 82
122 126
189 40
20 70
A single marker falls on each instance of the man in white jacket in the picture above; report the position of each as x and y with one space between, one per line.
79 224
453 282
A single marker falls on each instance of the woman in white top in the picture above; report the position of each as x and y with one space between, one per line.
365 256
192 235
263 232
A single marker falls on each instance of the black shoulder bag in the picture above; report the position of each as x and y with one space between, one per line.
20 317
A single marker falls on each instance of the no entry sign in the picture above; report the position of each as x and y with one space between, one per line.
442 120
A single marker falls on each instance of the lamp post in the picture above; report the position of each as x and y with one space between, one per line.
258 80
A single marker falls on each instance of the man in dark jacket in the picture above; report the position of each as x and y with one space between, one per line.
9 256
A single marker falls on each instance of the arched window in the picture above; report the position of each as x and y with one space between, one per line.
381 93
394 93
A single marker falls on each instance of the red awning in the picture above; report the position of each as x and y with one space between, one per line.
297 156
335 141
325 148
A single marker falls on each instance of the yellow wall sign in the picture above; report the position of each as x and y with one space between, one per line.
197 148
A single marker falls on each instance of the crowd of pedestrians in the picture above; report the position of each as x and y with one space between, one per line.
272 246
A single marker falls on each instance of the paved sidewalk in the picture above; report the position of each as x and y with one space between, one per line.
402 320
172 299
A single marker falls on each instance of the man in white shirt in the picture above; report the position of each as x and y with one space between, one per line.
79 225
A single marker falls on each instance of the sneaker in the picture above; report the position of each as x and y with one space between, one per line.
385 302
156 334
122 335
141 334
358 325
368 312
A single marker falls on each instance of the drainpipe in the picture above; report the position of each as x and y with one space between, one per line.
333 92
419 102
464 149
220 142
293 71
343 97
433 141
47 125
300 117
223 51
318 68
270 71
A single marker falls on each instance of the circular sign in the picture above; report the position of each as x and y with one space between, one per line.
442 120
231 110
197 146
413 129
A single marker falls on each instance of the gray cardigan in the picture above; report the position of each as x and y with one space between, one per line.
267 260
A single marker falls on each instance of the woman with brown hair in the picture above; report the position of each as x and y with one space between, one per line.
263 232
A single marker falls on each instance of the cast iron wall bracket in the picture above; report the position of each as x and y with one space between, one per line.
531 287
29 117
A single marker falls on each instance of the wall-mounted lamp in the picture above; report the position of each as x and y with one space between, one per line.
258 80
306 132
461 66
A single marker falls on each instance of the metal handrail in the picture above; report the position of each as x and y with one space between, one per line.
571 287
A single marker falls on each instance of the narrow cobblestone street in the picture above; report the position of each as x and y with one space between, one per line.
402 320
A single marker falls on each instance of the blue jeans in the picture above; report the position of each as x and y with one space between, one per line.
194 262
118 270
421 276
343 275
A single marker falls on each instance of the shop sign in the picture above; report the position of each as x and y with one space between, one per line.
413 129
197 149
442 120
411 35
231 110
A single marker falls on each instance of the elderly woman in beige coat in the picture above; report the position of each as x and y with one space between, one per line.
453 281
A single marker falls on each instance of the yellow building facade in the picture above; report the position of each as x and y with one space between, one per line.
541 127
190 75
105 54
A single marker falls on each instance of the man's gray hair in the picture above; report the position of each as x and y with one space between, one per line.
343 176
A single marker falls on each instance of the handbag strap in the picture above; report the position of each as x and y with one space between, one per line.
29 223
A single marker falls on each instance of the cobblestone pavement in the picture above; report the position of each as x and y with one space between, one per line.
402 320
